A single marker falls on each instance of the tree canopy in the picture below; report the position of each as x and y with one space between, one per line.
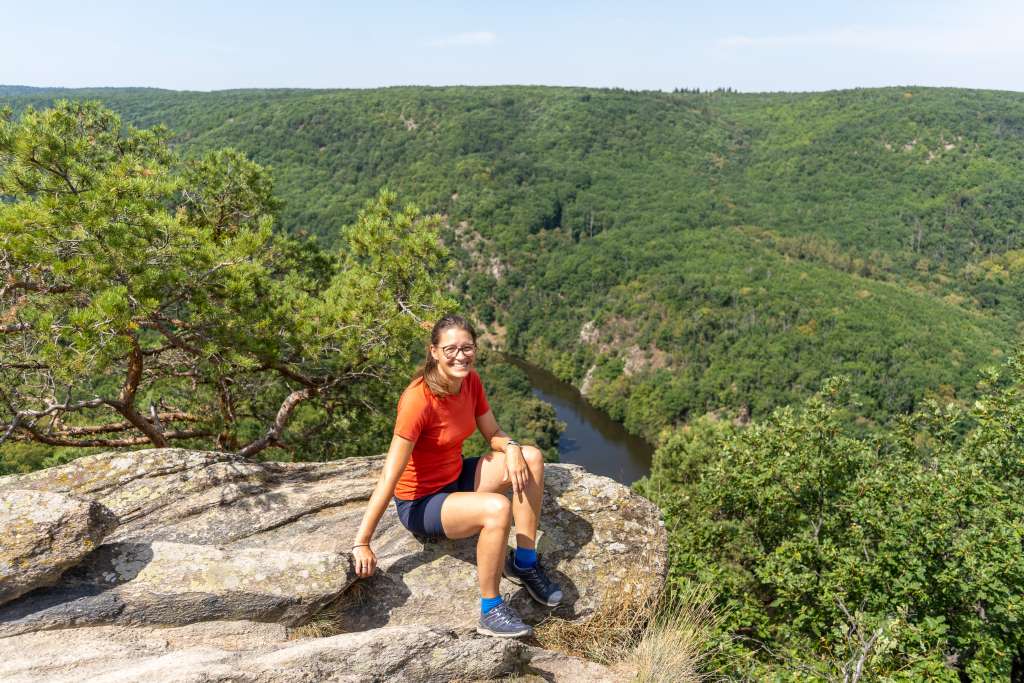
895 555
146 299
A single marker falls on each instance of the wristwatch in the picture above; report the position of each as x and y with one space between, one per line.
512 442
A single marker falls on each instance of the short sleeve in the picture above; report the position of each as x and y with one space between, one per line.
413 413
480 398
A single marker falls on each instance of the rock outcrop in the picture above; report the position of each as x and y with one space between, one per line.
216 557
42 534
247 652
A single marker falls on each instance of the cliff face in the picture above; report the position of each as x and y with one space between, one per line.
207 562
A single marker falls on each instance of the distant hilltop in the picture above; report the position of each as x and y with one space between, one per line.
59 91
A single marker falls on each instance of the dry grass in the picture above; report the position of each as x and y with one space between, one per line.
638 628
330 621
675 644
610 633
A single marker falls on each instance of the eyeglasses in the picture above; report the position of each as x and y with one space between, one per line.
451 352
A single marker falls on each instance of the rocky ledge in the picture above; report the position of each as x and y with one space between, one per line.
179 565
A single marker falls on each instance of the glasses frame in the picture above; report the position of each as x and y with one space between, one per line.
468 351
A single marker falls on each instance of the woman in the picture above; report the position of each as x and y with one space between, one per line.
438 494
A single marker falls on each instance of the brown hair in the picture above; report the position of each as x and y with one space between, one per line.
428 371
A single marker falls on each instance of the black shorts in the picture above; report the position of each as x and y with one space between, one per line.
422 516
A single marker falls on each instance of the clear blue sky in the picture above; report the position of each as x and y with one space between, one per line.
750 46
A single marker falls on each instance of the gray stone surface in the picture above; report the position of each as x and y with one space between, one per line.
176 583
246 652
184 514
561 668
209 541
42 534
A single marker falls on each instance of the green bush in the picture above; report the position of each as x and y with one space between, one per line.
901 550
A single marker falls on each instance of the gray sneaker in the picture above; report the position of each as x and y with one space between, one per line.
503 622
534 580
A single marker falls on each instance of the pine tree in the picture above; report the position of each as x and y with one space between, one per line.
146 299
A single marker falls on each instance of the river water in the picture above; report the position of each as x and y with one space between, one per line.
591 438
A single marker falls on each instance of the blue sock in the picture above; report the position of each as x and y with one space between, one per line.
526 557
487 604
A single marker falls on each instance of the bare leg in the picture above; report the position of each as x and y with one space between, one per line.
492 476
465 514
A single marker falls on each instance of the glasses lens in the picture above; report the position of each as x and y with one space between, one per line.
452 351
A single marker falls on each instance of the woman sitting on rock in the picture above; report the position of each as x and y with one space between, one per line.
438 494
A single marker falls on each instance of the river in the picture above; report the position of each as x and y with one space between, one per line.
591 438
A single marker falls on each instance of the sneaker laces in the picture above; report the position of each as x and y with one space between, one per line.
536 573
505 615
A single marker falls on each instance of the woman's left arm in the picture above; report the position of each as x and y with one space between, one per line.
515 464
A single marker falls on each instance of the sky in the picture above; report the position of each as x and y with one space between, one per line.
747 46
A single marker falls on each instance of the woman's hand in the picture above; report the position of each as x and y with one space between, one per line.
365 561
518 472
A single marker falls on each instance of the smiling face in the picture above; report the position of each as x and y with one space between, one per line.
454 341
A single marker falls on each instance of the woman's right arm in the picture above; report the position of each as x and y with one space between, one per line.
395 462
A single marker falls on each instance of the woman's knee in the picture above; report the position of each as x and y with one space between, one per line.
497 510
533 457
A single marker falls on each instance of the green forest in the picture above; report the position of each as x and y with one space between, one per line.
692 252
810 302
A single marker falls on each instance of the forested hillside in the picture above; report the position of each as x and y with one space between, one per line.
682 257
675 253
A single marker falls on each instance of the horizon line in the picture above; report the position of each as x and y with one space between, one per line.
677 90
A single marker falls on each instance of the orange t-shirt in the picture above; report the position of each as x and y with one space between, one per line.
437 427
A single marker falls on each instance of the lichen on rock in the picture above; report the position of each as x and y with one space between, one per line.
210 538
44 533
